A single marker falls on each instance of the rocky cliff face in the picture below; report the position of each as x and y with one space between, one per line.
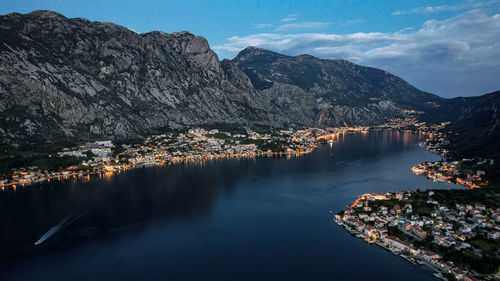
71 78
344 92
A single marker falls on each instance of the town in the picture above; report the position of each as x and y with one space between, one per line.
410 223
465 171
452 172
407 223
104 158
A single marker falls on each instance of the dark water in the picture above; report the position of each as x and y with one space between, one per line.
250 219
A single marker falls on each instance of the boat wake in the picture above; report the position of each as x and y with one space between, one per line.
64 223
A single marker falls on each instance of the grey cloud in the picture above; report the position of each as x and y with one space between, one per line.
262 25
466 5
303 25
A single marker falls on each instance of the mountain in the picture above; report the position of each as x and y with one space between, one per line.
475 125
344 91
76 79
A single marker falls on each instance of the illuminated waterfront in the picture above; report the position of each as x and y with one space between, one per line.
244 219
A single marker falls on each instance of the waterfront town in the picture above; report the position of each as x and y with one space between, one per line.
198 144
456 239
410 224
445 171
465 171
405 223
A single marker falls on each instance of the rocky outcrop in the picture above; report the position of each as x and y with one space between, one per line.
75 79
289 100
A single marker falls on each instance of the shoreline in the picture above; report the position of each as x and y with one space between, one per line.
375 230
296 144
106 157
117 169
357 234
373 227
110 168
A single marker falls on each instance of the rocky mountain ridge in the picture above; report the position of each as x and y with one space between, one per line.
72 79
345 92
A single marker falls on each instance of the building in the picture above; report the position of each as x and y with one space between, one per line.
493 234
430 256
419 232
371 231
379 223
396 243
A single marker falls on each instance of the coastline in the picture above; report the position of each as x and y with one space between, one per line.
104 158
374 222
295 191
154 152
308 140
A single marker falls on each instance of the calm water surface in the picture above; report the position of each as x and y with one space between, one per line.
249 219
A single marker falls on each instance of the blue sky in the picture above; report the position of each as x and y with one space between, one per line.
450 48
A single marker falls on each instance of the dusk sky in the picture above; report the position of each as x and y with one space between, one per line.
450 48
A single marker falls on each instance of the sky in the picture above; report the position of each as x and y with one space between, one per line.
450 48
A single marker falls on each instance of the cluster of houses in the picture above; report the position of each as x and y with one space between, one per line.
436 142
411 122
201 144
372 215
450 171
99 151
96 154
404 123
194 144
445 171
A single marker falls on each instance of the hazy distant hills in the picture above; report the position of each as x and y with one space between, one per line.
74 79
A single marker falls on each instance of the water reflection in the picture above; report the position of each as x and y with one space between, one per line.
187 190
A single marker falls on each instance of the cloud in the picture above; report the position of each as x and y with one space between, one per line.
262 25
459 55
303 25
467 5
289 18
424 10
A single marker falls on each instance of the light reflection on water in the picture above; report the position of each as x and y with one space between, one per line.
228 219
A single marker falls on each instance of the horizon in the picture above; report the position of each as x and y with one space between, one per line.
435 47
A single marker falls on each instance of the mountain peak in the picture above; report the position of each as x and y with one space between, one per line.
252 52
46 14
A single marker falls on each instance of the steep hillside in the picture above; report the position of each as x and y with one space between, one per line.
475 125
76 79
345 92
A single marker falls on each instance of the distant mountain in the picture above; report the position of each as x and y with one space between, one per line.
345 92
72 79
475 125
